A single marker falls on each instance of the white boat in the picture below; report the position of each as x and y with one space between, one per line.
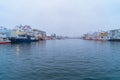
4 41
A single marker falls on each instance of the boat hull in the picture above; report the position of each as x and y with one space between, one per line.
5 42
114 40
16 40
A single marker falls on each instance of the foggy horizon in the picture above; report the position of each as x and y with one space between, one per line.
63 17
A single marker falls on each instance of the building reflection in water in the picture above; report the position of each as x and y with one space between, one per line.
17 50
42 43
39 44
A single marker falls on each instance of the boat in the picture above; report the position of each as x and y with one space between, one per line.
113 39
23 34
23 38
33 38
4 41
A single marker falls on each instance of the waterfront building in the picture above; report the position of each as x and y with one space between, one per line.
10 33
3 32
54 36
88 36
60 37
114 34
22 34
85 36
4 35
40 34
96 36
103 35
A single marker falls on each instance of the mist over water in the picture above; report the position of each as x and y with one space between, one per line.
60 60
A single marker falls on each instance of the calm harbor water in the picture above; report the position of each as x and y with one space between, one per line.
60 60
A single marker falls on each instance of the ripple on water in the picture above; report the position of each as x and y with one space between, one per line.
60 60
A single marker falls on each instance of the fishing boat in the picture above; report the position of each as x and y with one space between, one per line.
23 38
33 38
23 34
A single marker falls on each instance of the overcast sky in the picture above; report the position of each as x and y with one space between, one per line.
63 17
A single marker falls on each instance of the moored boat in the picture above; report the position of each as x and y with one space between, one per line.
23 38
114 40
4 41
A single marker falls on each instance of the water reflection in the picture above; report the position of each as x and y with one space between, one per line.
39 44
60 60
17 50
28 48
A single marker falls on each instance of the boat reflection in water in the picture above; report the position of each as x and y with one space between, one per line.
17 50
28 48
